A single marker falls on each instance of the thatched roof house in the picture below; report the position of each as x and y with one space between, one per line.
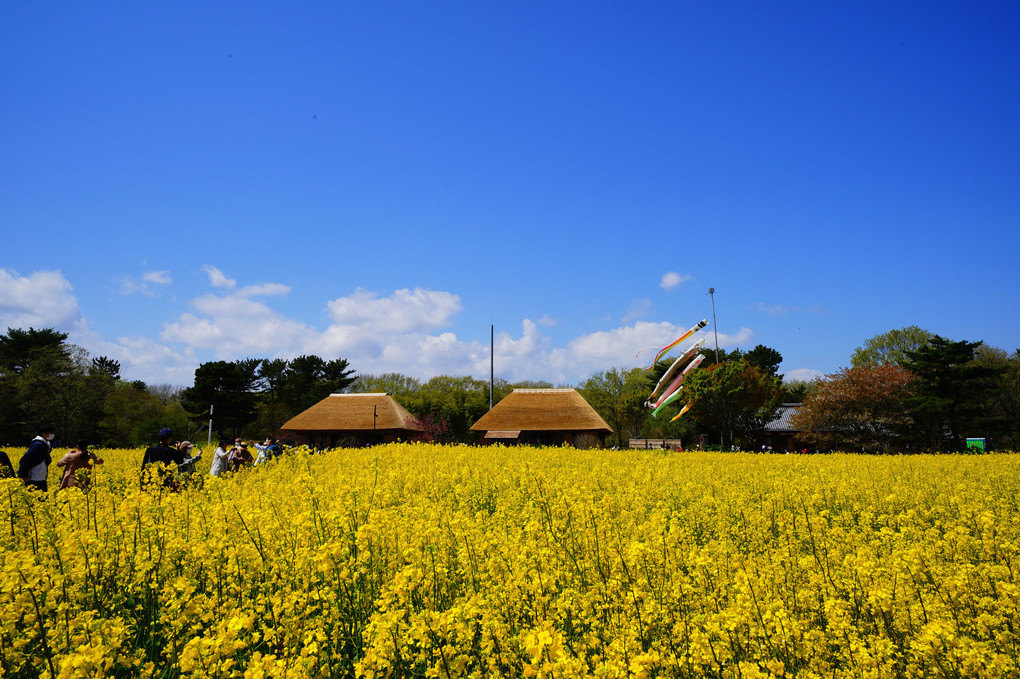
352 419
543 417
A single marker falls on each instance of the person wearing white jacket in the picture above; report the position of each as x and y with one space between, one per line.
219 460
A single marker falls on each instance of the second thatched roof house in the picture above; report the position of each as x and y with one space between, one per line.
352 419
549 417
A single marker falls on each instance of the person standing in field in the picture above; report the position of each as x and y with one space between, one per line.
220 457
34 466
78 459
162 454
187 468
267 451
239 457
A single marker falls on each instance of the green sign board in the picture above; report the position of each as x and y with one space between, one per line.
979 444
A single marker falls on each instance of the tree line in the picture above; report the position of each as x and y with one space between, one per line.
45 379
734 395
906 389
911 390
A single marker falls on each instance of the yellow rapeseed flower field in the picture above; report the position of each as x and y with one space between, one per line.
422 560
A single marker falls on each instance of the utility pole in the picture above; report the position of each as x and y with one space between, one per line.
711 293
715 329
209 442
492 361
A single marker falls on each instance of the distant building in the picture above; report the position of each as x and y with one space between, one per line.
549 417
779 433
352 419
656 444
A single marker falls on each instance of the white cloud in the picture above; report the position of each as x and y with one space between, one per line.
639 308
774 310
234 326
158 364
403 311
671 279
44 299
217 278
740 338
157 277
130 285
404 331
264 289
802 374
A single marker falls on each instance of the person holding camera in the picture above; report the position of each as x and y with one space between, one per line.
78 459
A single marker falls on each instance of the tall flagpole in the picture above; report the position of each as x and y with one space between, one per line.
492 362
711 293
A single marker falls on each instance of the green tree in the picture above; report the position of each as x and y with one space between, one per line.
1000 413
271 409
19 349
110 367
166 393
710 355
62 386
766 359
619 397
890 347
733 399
951 386
762 357
532 384
173 416
863 408
795 391
394 384
125 408
228 388
309 379
456 401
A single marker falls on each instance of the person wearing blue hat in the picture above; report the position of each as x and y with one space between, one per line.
161 454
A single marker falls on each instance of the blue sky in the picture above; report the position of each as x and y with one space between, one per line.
382 181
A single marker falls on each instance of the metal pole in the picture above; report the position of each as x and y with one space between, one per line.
492 361
209 442
715 329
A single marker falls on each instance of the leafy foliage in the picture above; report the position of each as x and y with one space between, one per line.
890 347
734 399
950 389
619 396
862 408
45 379
227 387
1000 413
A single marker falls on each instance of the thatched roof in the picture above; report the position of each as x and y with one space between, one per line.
542 410
353 412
